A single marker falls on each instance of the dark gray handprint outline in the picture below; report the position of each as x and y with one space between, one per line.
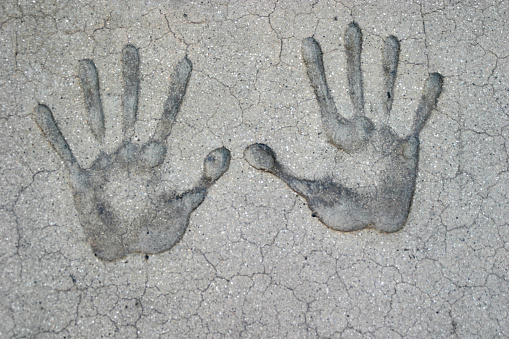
165 217
386 205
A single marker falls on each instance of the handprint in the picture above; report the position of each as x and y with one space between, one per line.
164 217
384 205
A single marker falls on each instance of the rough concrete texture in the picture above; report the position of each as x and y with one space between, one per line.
253 261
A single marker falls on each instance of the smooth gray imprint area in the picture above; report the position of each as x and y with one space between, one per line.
393 161
164 217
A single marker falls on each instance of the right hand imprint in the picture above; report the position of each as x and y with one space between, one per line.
384 205
163 218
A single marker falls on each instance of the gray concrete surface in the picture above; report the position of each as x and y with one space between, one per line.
253 261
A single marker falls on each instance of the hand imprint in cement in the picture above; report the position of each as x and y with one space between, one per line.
163 216
393 160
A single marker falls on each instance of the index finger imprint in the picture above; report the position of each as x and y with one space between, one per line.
178 86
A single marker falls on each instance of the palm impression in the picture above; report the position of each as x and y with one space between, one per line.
393 161
163 216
